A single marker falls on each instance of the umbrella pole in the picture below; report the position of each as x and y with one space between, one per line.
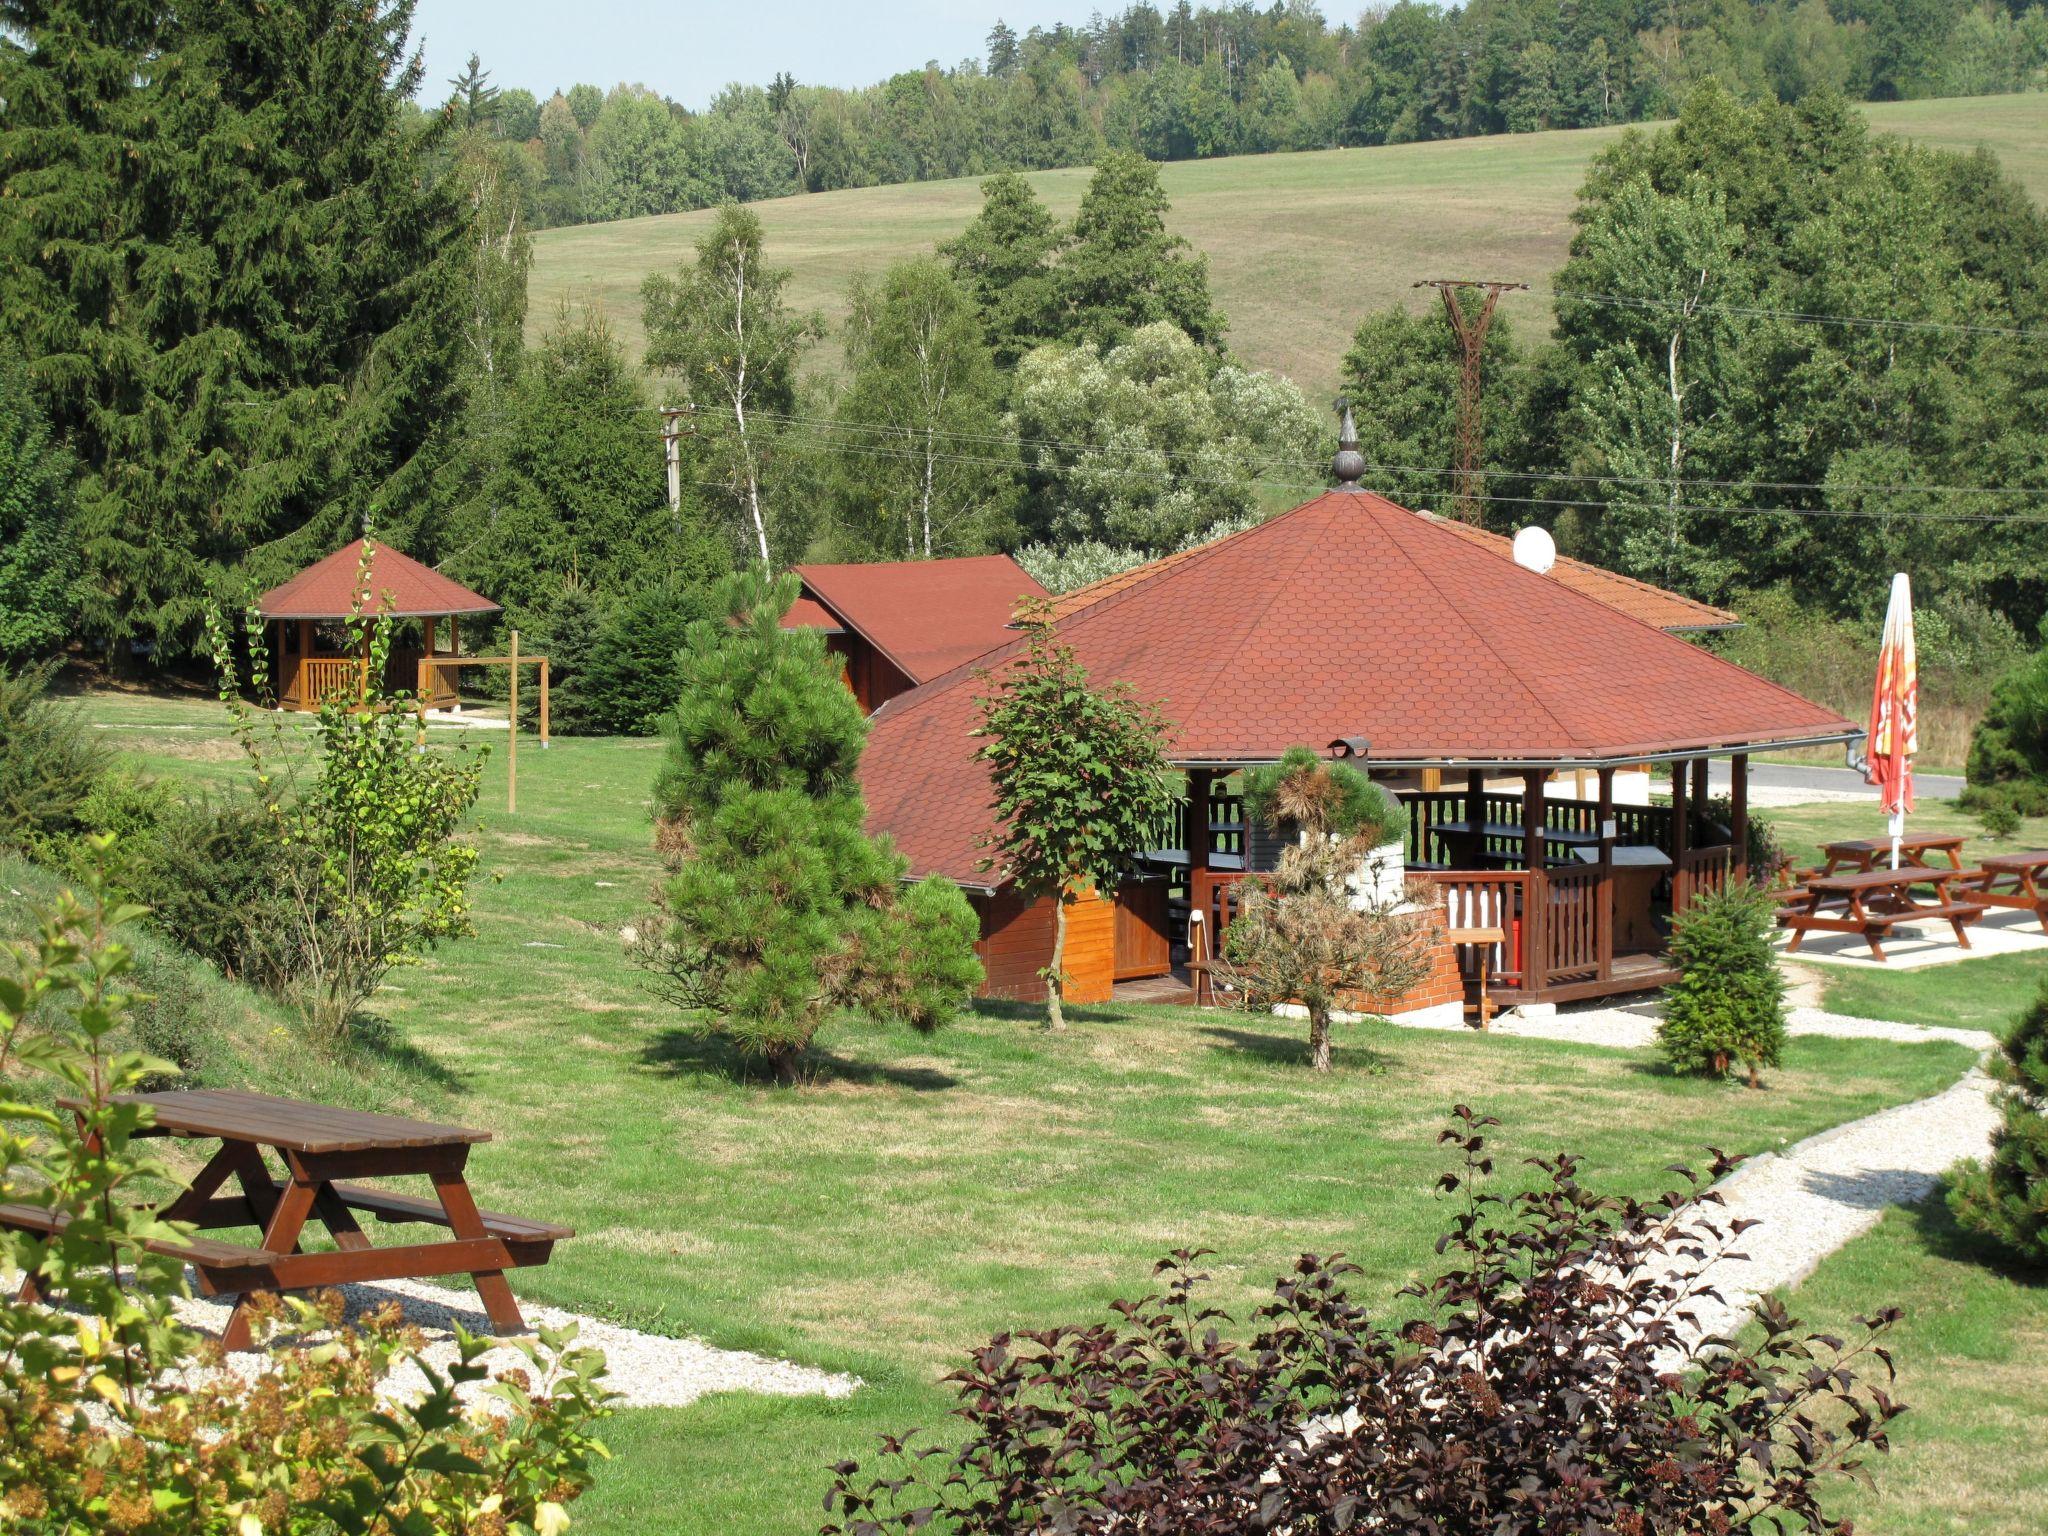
1898 831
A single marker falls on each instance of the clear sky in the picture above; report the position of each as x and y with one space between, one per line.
687 49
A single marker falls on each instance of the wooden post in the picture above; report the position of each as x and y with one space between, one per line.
305 655
1738 818
1699 784
1603 905
1536 894
1681 837
512 735
672 452
1475 813
543 703
1200 781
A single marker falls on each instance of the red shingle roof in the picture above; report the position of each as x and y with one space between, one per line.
1637 599
926 616
1348 616
398 583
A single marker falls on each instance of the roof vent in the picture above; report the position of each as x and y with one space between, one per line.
1349 465
1535 550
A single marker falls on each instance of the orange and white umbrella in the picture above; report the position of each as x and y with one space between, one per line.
1894 730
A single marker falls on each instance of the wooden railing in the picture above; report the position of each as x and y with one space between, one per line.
1571 926
1226 825
1645 825
325 677
1701 872
1486 899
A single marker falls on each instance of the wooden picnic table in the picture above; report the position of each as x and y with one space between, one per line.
1874 901
320 1147
2013 880
1864 853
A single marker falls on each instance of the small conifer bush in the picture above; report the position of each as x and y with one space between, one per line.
2007 1198
1728 1004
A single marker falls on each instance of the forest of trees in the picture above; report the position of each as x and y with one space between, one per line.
1190 83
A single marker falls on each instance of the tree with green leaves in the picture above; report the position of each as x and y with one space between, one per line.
38 544
1152 441
243 350
2006 1197
782 911
722 332
1004 260
923 462
1080 780
1121 269
1727 1007
471 97
1402 372
633 675
1304 936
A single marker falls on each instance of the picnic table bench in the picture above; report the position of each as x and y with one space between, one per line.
321 1148
2012 880
1874 901
1863 853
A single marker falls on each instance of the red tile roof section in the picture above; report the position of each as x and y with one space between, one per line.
1637 599
326 589
1348 616
926 616
809 613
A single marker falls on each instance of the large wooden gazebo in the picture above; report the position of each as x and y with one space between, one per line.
399 587
1512 712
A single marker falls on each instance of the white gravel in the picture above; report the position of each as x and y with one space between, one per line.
1633 1026
1813 1197
645 1369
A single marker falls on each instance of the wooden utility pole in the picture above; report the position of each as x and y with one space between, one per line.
672 452
1471 334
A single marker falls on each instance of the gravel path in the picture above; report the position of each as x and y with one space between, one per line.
1816 1195
646 1370
1633 1026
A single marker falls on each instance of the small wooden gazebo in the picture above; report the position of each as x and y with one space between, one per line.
399 588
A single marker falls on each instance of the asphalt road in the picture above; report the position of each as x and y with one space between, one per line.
1927 786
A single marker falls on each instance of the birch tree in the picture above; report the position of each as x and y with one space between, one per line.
924 465
722 331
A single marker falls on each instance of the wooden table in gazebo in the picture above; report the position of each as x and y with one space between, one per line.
319 1148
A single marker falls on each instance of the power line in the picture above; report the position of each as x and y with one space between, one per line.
1799 316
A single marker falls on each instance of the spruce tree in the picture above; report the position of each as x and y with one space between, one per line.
1728 1005
228 265
1003 259
634 673
782 910
2007 1198
38 552
1122 269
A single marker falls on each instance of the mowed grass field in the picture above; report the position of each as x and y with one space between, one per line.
921 1193
1300 246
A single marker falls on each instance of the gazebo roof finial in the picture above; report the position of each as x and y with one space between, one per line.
1349 465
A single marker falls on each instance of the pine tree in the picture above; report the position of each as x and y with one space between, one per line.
634 673
472 97
920 469
38 551
229 268
1003 259
782 910
721 330
1122 269
2007 1198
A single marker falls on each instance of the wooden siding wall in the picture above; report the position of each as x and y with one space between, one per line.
1016 944
871 676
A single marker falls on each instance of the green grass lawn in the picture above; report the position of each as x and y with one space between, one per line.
1970 1457
921 1194
1300 246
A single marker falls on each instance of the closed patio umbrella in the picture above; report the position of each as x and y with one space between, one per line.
1894 732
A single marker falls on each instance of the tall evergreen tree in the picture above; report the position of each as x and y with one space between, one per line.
921 452
1003 259
228 264
38 551
1123 270
722 331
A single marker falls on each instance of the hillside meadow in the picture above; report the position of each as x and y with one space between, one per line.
1299 245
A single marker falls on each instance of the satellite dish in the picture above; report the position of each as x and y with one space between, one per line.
1535 550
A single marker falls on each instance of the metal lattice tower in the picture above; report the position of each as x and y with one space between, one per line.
1469 478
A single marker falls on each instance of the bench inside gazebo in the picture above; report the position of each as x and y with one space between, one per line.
308 670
